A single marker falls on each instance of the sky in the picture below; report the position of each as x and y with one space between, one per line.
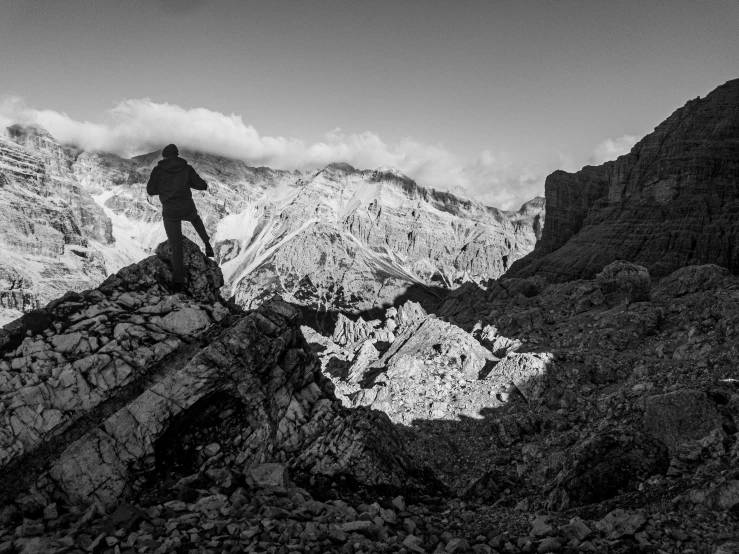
482 96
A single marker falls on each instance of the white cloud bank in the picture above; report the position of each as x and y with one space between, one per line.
139 126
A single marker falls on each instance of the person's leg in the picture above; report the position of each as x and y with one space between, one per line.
173 228
199 226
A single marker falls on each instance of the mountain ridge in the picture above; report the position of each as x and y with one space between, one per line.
266 206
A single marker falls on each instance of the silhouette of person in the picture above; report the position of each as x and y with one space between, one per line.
172 180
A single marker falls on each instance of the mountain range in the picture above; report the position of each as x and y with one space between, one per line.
586 400
332 239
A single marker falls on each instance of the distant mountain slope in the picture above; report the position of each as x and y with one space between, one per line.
51 231
671 202
356 239
335 238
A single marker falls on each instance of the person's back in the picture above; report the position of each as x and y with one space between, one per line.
172 180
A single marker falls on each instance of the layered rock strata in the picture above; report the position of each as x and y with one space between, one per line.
51 231
669 203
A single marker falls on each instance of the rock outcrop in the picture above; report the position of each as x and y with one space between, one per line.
669 203
93 383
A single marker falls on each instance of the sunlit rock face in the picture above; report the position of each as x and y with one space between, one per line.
330 239
671 202
51 230
347 239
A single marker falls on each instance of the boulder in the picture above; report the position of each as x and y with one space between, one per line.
186 321
619 522
269 475
366 355
408 313
527 372
348 332
624 281
691 279
680 416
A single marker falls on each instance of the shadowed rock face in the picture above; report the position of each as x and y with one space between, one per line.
94 382
671 202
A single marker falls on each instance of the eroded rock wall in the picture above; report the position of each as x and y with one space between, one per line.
669 203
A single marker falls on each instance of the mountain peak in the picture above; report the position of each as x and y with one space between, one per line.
21 131
390 170
340 166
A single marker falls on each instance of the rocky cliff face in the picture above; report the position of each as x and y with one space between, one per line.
51 231
352 240
669 203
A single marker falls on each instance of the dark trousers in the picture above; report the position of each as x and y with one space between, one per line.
173 228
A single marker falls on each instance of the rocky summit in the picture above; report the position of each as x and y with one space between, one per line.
584 401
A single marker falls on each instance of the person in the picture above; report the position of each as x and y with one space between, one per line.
171 180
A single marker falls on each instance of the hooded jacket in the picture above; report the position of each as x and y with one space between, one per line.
172 180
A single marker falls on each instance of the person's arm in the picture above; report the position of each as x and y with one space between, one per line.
152 189
196 181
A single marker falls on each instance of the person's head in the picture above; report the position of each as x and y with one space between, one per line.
170 151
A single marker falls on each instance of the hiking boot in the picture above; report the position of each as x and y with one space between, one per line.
209 251
177 287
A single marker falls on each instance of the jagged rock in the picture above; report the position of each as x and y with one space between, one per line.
667 204
527 372
619 522
269 475
691 279
576 530
432 338
366 355
540 527
690 454
203 276
348 332
680 416
408 313
625 280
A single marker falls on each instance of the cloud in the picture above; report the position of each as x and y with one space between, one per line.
610 149
139 126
